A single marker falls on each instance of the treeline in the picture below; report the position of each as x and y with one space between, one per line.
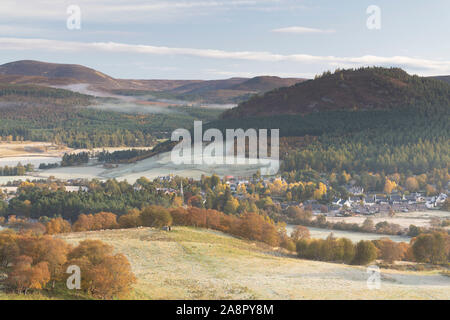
74 159
123 156
18 170
251 226
431 248
21 90
35 201
37 263
44 166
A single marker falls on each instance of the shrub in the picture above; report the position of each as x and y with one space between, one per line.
365 252
432 248
155 216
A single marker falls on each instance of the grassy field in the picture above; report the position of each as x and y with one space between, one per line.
190 263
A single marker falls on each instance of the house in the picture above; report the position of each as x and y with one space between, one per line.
410 199
76 188
355 189
436 201
381 199
396 199
420 198
313 205
441 199
347 203
355 200
369 201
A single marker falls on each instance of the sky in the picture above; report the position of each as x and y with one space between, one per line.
217 39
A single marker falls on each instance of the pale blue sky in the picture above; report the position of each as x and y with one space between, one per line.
201 39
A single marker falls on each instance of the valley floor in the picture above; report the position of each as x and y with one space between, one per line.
189 263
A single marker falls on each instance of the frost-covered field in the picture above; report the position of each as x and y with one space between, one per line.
320 233
160 165
404 219
190 263
34 160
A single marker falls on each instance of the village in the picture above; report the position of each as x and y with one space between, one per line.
358 204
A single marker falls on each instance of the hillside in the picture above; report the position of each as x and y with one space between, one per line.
190 263
443 78
361 89
53 73
266 83
234 90
14 97
209 85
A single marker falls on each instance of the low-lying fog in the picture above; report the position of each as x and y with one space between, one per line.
144 104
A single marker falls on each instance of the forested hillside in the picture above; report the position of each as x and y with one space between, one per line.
361 89
378 120
37 113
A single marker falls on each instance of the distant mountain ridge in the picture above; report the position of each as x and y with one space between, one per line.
210 91
442 78
361 89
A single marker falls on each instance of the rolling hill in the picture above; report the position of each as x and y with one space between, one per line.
70 73
232 90
52 74
361 89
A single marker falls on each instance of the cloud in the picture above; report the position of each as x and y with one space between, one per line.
302 30
123 10
424 66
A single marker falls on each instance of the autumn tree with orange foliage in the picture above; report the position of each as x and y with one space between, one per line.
9 249
389 251
130 220
98 221
25 276
300 232
104 275
57 225
38 262
155 216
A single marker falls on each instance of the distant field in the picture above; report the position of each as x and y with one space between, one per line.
31 149
404 219
320 233
190 263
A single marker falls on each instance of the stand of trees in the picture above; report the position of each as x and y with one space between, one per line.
124 156
35 201
18 170
34 263
74 159
431 248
